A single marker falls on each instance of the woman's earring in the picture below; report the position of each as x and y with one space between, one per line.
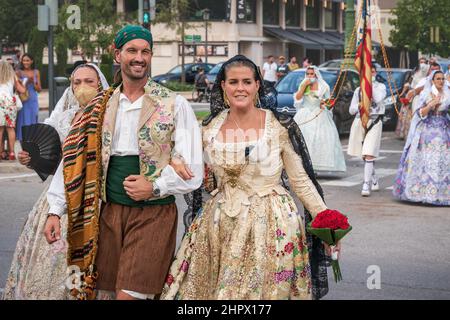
225 100
256 100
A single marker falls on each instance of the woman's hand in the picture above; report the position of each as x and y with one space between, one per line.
24 158
337 249
181 168
52 230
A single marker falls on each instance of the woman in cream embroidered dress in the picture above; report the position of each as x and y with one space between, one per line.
249 241
38 270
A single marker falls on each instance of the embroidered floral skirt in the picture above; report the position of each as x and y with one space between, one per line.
8 111
424 171
261 253
38 269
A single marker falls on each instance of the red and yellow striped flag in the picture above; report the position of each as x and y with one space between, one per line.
363 62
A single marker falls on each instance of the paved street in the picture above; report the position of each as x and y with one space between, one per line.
407 242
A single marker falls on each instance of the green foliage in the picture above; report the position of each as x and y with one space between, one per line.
178 86
413 21
17 19
37 41
99 24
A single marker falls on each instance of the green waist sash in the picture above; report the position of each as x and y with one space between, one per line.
119 168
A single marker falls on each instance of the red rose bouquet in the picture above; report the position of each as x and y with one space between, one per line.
330 226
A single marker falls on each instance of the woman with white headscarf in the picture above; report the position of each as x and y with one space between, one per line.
316 123
38 270
424 171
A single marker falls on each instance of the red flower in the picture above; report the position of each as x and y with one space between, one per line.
404 101
289 247
331 219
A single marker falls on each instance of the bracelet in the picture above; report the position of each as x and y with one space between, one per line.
53 214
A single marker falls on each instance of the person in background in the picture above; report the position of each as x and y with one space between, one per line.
269 71
16 59
8 108
293 65
31 78
38 269
366 143
201 82
306 62
424 171
316 123
282 68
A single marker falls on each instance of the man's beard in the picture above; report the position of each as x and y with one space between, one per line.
134 76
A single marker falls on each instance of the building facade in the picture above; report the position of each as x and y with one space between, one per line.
255 28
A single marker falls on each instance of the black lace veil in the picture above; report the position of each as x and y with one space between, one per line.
268 100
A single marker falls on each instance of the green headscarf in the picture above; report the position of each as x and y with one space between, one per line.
132 32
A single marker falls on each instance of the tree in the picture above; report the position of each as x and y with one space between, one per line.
413 22
17 19
99 24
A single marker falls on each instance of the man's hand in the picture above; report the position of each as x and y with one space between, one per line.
138 188
24 158
52 230
181 168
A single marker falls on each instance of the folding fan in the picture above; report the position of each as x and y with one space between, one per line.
42 142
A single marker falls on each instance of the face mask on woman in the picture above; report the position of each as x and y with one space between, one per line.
84 94
423 67
312 80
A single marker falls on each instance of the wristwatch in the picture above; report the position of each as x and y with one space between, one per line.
156 190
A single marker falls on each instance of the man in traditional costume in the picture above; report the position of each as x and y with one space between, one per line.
117 158
365 142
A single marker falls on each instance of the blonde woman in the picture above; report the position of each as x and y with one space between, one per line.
8 108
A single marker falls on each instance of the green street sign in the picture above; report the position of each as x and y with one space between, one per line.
193 38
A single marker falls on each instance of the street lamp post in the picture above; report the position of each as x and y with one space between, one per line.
206 18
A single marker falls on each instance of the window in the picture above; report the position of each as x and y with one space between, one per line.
313 14
292 12
271 10
331 15
199 50
218 10
246 11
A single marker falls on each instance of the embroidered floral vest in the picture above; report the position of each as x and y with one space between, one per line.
155 129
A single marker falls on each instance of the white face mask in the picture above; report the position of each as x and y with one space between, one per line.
374 78
423 66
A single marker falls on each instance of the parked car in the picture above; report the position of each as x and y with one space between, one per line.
212 74
174 74
444 64
336 63
348 83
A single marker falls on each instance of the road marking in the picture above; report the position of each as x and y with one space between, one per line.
390 188
381 151
353 159
358 178
19 176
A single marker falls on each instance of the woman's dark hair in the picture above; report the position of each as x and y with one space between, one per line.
436 72
30 57
241 63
